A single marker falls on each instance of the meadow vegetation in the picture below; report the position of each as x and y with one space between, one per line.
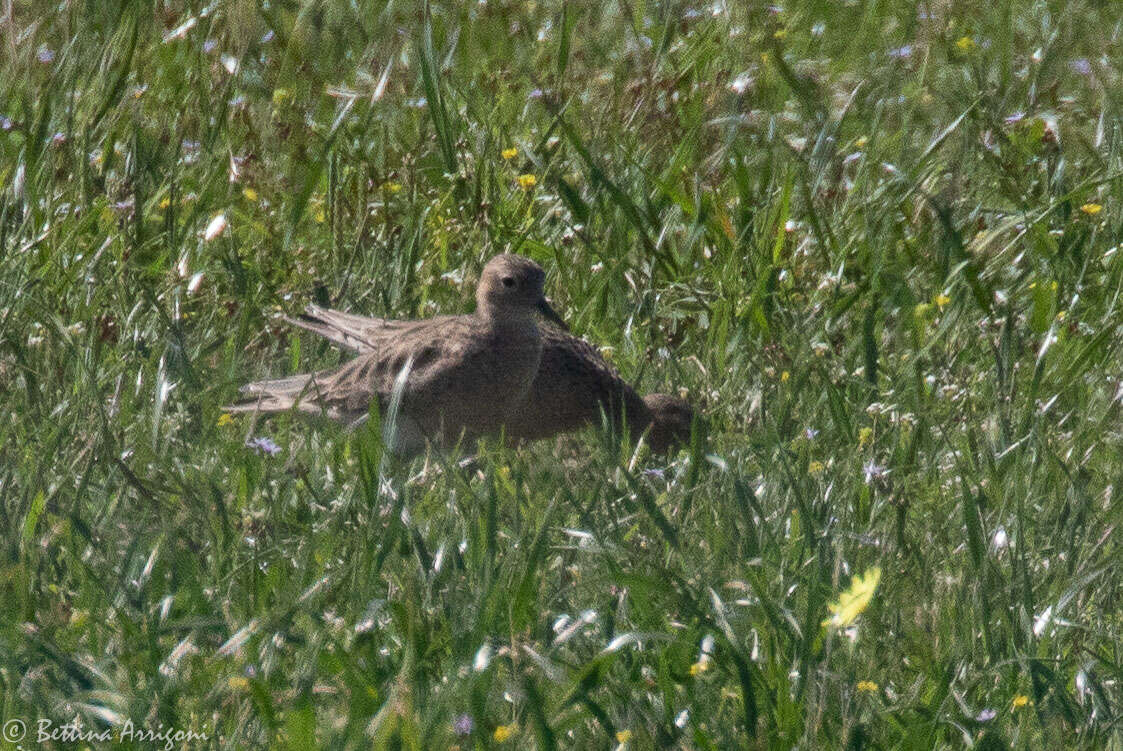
875 241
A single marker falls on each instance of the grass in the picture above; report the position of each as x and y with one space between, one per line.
876 242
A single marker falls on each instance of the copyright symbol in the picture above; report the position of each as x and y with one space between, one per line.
14 730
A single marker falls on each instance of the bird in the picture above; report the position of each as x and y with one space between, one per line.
439 380
574 386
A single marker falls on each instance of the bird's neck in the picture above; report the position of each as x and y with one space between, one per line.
507 318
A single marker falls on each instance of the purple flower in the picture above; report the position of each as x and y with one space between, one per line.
58 139
1017 117
267 37
535 94
45 55
1081 66
209 45
5 123
463 724
654 473
873 470
986 715
264 445
901 53
810 434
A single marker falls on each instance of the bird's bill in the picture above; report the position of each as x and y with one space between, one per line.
548 312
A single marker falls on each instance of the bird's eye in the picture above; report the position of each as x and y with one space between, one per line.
508 281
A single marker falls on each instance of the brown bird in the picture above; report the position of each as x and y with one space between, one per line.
572 389
440 379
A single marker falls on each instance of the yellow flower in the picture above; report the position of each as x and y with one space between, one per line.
1091 209
941 300
868 687
225 419
505 732
237 683
165 203
527 181
392 187
280 96
815 468
965 44
1061 315
861 142
699 667
510 153
623 736
785 376
250 194
1019 701
854 600
865 435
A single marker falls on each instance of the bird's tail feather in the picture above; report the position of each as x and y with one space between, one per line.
337 327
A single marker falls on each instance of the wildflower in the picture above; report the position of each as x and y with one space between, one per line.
861 142
225 419
527 181
868 687
785 376
216 227
1019 701
901 53
1015 118
815 468
238 683
505 732
865 435
873 471
851 603
965 44
1081 66
392 187
810 434
264 445
462 725
623 736
780 33
986 715
209 45
165 202
45 55
741 83
941 300
509 154
1091 209
280 96
250 194
699 667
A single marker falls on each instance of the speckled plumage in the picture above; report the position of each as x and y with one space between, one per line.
572 388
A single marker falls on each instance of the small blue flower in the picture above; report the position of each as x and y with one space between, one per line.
209 45
901 53
463 725
45 55
986 715
873 470
654 473
1081 66
264 445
